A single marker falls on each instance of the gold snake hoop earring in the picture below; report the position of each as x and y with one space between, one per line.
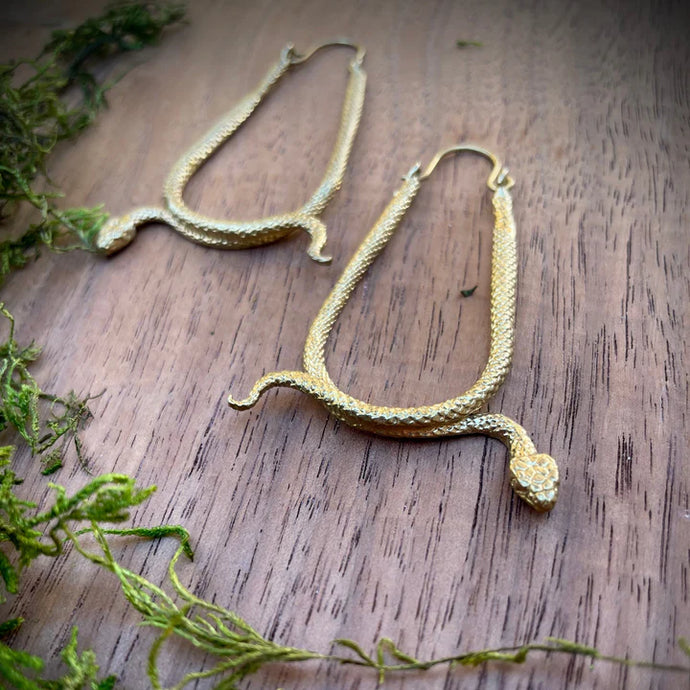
118 232
534 476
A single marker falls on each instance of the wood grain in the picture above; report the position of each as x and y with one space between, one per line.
307 528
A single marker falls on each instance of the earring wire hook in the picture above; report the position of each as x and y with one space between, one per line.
499 175
297 58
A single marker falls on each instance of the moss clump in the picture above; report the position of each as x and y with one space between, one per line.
35 115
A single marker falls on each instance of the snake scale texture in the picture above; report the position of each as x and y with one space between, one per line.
534 476
224 234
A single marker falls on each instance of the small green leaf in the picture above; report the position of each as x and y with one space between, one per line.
574 647
158 532
106 684
52 462
351 644
9 574
393 650
10 626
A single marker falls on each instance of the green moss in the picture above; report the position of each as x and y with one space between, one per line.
35 116
42 419
23 671
239 650
26 534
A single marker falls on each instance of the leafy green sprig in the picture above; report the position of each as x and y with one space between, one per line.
123 27
241 650
21 402
26 534
21 670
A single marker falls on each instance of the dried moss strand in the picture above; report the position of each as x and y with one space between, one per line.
515 654
241 650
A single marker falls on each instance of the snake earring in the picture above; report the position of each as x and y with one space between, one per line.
534 476
118 232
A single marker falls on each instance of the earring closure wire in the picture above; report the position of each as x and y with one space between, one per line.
499 175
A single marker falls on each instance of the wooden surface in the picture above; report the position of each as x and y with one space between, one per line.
307 528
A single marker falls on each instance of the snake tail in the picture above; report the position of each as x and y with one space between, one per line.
534 476
280 379
316 230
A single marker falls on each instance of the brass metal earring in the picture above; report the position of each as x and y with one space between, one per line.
120 231
534 476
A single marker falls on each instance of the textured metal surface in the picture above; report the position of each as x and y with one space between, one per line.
534 476
226 234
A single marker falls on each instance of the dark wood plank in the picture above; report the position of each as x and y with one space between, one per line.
312 530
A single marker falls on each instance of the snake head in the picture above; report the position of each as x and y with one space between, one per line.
116 234
534 479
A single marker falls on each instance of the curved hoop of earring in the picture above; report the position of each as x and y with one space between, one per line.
119 232
534 476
